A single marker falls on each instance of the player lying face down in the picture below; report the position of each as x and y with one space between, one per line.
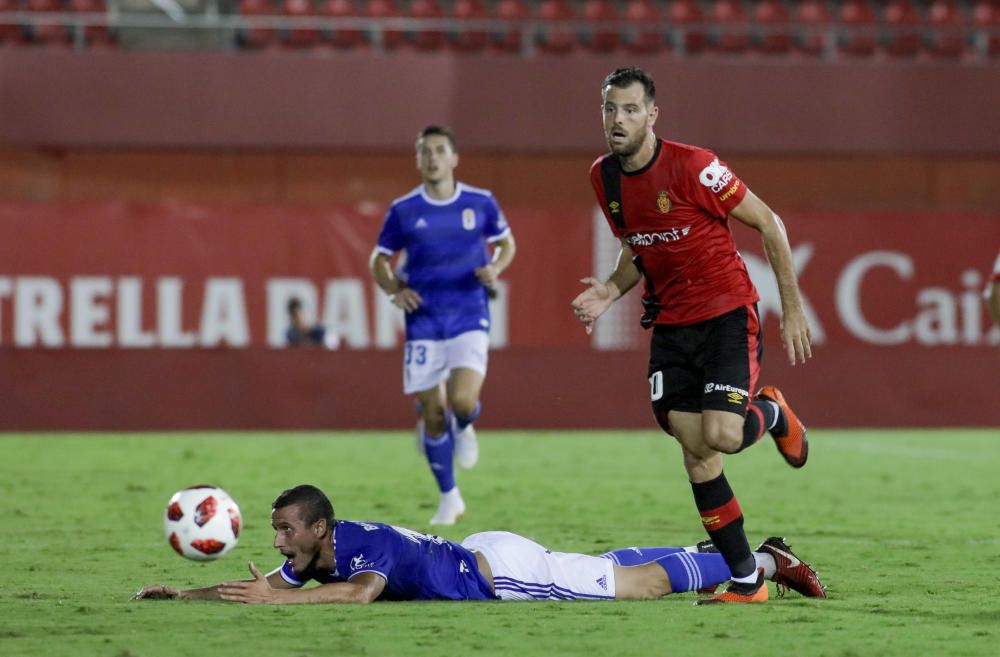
360 562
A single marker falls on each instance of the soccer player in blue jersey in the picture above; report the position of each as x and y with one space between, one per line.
360 562
446 229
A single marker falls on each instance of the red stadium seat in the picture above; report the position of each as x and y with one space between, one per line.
947 31
50 34
11 34
516 12
814 30
390 38
554 37
94 35
732 31
986 19
645 34
300 37
342 38
860 36
426 39
771 18
601 38
904 25
464 38
257 37
685 15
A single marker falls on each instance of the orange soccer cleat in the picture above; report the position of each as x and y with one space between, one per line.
792 572
794 445
738 593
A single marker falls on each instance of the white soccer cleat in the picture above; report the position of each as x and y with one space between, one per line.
466 448
451 508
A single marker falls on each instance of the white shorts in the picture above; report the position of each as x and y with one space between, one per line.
426 363
525 570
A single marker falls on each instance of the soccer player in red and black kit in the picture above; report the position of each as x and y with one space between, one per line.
669 204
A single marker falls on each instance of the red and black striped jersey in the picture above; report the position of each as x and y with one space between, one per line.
674 215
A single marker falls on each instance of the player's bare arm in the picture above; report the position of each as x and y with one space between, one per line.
159 592
598 297
795 333
360 589
401 296
503 255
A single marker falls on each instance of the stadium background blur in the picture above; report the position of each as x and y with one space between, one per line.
171 173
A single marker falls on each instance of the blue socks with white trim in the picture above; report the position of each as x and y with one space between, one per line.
440 451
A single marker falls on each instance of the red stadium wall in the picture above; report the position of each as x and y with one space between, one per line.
275 100
166 315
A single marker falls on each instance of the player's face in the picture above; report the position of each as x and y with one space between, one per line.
628 118
296 540
436 159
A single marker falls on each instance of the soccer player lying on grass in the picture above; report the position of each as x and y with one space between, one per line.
363 562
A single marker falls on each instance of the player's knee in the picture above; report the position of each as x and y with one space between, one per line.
463 405
722 438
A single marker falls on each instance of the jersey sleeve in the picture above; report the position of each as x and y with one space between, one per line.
390 238
288 575
595 182
496 223
361 550
712 185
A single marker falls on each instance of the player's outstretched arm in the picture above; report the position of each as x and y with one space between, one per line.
795 333
362 588
160 592
598 297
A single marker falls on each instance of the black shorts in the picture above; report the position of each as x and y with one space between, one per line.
711 365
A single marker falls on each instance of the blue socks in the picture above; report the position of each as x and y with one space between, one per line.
461 422
636 556
440 451
691 571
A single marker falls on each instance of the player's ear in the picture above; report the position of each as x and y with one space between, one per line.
319 528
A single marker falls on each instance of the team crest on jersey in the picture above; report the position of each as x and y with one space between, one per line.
663 202
468 219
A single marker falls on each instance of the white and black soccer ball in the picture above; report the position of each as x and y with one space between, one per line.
202 522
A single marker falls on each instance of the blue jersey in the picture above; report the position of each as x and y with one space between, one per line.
445 242
415 566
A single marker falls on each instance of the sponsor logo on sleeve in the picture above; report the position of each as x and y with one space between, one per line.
359 562
729 192
615 207
715 176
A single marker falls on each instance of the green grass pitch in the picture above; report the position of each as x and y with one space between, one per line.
902 525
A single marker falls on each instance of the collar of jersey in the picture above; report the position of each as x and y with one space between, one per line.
656 154
447 201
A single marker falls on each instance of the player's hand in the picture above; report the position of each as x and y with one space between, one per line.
488 275
157 592
408 299
592 302
796 336
255 591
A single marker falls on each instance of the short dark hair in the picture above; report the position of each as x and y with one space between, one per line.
294 305
439 130
624 77
313 503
